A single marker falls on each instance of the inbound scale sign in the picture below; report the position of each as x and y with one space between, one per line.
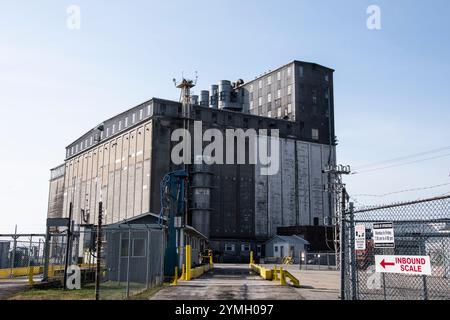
418 265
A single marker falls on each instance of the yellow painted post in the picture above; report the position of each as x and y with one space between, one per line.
275 274
282 277
251 257
30 275
175 278
183 272
51 271
188 262
211 261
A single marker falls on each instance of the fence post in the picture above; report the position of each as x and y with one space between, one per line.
99 251
13 256
30 268
69 231
128 262
353 253
342 242
148 258
119 269
424 277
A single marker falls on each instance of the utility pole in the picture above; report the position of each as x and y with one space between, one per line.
99 249
337 188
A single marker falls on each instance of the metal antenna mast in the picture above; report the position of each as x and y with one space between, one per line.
185 85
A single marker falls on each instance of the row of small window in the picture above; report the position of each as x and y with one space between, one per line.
230 247
122 124
288 73
280 112
269 79
269 97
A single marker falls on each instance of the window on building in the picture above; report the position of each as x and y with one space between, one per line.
327 78
133 118
229 247
251 104
288 70
301 71
316 221
260 101
149 109
315 134
92 140
269 114
289 108
141 113
260 84
245 247
276 248
269 80
278 75
124 243
251 88
269 97
138 247
120 125
289 89
314 96
286 112
279 112
113 128
279 93
126 122
107 132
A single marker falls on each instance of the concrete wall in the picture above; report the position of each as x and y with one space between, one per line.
116 172
56 193
295 195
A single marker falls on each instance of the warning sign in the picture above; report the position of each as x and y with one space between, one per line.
418 265
383 235
360 237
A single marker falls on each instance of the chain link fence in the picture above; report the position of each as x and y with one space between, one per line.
318 261
131 259
19 253
420 229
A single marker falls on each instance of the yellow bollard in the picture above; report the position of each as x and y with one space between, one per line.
30 275
251 258
211 260
188 262
183 272
51 272
282 277
275 274
175 278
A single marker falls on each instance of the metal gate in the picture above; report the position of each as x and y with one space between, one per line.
420 229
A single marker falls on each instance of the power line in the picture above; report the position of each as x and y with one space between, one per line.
402 158
401 191
400 164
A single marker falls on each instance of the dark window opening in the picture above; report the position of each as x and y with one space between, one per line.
316 221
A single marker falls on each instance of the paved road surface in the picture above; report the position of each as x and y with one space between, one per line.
235 281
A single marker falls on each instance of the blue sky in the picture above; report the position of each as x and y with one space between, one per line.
391 85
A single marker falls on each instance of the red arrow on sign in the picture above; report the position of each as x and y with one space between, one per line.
384 264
